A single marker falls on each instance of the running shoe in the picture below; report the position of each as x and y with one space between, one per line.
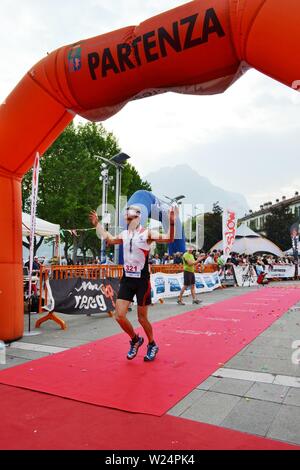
197 302
151 353
134 347
180 302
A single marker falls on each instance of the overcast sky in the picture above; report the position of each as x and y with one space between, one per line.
246 140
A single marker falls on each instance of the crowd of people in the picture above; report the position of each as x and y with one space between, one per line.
217 258
211 258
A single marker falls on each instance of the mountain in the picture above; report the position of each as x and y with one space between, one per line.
182 179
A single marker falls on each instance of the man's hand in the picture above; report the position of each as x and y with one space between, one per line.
94 219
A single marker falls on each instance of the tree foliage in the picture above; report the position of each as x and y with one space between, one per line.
70 185
213 227
278 225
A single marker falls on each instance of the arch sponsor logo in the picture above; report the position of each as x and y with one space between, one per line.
75 59
184 34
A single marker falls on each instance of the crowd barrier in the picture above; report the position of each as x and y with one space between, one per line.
91 272
178 268
70 272
240 276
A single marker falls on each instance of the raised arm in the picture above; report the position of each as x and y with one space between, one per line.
168 237
102 233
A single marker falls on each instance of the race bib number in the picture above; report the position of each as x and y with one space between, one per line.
132 271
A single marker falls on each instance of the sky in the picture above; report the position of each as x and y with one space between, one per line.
245 140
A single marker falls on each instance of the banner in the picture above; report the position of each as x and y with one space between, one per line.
83 296
245 276
166 286
34 197
280 271
229 232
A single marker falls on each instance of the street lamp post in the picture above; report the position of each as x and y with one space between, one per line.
119 170
197 217
105 179
175 199
118 162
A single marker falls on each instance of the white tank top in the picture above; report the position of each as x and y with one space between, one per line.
136 252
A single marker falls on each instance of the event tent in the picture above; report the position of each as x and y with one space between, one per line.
43 228
249 242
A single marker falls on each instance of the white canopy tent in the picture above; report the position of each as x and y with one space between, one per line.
249 242
43 228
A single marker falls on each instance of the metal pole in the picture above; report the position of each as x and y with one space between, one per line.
117 216
104 206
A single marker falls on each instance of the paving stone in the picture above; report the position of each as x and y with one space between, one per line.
252 416
286 426
12 362
211 408
293 397
268 392
287 381
232 386
20 353
186 403
208 383
265 364
244 375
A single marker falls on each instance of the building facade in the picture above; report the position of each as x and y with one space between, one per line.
257 220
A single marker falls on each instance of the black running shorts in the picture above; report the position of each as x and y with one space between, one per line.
131 287
189 279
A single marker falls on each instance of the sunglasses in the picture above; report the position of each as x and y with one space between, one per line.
137 211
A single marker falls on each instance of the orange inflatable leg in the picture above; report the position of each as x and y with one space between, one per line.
11 270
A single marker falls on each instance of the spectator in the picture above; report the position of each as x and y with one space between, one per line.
35 266
156 260
189 265
178 259
209 260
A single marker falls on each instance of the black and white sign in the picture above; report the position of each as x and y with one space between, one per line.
84 296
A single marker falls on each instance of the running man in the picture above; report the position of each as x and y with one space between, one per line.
136 241
189 264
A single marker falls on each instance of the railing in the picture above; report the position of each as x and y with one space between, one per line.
178 268
101 272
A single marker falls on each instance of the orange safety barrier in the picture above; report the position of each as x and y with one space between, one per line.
201 47
71 272
178 268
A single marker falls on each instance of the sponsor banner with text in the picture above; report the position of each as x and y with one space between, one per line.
83 296
169 285
245 276
229 232
280 271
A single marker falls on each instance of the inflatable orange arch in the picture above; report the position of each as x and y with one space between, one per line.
201 47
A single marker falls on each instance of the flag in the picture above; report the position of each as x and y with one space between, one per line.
229 232
34 197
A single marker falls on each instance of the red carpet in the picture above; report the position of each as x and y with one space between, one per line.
33 421
192 347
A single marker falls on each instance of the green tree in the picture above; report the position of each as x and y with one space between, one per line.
213 227
69 182
278 226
